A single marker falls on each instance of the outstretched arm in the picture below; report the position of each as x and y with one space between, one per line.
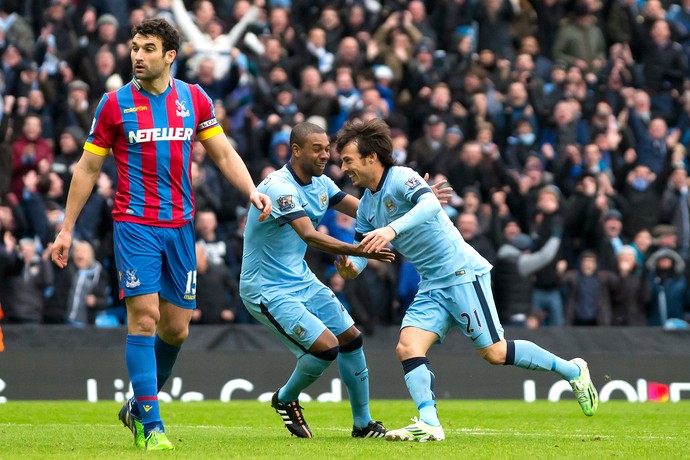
528 264
323 242
233 168
187 26
347 268
441 189
426 208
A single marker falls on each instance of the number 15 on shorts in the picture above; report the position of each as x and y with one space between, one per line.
190 288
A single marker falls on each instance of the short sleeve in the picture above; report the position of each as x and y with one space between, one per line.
103 128
208 124
411 185
286 203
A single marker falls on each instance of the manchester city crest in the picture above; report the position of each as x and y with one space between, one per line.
390 205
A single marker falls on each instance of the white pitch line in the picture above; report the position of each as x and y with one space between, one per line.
458 431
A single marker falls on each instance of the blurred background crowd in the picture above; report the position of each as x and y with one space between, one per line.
563 127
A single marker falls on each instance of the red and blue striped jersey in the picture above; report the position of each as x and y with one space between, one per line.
151 139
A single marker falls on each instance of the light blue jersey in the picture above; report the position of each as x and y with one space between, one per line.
273 259
435 248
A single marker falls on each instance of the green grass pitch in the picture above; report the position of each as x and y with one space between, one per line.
249 429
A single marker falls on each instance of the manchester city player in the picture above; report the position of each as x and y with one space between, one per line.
455 285
280 290
149 125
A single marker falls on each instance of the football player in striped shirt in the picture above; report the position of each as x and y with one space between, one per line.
149 125
455 288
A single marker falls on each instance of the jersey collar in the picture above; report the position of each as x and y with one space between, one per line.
295 176
138 86
383 178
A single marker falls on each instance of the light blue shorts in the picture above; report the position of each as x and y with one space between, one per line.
299 318
469 306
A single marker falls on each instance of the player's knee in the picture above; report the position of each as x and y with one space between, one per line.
143 325
353 345
327 355
174 334
493 355
404 351
179 335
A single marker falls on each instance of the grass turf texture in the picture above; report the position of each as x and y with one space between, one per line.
249 429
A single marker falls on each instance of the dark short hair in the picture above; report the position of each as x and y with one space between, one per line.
588 254
162 29
302 130
371 137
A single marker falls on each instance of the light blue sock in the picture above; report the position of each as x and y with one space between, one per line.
309 368
420 383
353 370
141 365
527 355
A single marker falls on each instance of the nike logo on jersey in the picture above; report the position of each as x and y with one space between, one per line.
357 374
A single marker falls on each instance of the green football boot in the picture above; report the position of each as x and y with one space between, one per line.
584 390
157 440
132 422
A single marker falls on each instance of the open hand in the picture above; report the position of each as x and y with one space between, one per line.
444 194
346 268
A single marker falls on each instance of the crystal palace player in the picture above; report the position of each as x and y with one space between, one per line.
455 286
149 124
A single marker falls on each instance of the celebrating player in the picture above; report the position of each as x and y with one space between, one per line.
455 286
149 124
279 290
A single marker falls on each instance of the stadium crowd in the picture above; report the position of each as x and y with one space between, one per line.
562 126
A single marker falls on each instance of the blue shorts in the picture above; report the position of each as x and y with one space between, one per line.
156 260
469 306
299 318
